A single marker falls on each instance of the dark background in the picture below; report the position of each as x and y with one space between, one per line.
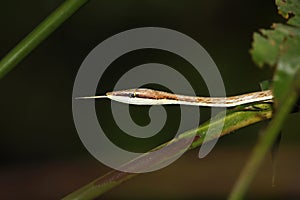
41 154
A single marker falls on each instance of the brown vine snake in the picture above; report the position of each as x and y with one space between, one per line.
142 96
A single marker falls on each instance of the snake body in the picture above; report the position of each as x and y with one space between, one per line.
143 96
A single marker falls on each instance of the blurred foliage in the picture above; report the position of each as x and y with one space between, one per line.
281 46
36 114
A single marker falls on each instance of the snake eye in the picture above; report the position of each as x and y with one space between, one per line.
132 95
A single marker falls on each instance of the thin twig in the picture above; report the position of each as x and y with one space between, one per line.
234 120
266 141
41 32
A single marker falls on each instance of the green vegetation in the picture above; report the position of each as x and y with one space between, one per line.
278 47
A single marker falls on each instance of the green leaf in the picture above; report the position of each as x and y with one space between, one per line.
288 64
289 9
266 47
280 47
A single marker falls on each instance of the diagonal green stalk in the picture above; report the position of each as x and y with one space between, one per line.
265 143
41 32
234 120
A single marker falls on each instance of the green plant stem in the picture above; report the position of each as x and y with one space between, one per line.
234 120
42 31
265 143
